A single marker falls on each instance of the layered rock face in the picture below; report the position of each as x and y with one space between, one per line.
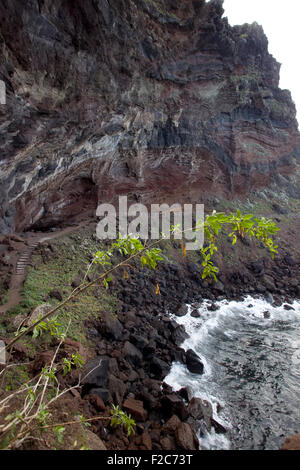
161 100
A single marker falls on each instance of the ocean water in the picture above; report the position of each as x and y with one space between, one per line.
251 356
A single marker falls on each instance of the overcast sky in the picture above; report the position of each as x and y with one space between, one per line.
281 22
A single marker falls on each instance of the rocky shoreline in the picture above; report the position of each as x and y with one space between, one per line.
134 346
137 348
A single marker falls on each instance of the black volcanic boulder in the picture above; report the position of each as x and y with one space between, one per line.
200 409
117 389
219 428
195 314
186 438
132 354
103 394
173 404
178 333
288 307
213 307
139 341
96 372
193 362
181 311
150 349
111 326
159 368
56 294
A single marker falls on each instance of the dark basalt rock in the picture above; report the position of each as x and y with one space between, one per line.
132 354
103 393
111 326
158 367
185 437
56 294
117 389
219 428
97 370
200 409
288 307
195 314
179 335
139 341
213 307
193 362
181 311
173 404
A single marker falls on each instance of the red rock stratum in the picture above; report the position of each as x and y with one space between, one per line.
159 100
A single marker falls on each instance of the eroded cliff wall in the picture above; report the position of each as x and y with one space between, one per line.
159 100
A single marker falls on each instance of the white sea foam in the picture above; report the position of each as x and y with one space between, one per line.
217 324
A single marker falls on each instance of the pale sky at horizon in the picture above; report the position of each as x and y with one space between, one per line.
281 23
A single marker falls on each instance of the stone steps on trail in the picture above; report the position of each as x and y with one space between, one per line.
24 259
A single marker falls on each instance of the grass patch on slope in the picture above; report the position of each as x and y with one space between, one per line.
66 258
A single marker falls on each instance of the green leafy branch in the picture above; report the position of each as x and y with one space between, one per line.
120 418
239 225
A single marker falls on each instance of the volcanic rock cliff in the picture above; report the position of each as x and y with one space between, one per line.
161 100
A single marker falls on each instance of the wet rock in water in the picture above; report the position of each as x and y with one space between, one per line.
195 408
288 307
186 438
193 362
184 393
277 303
201 409
178 333
218 427
267 314
178 355
196 305
181 311
269 298
195 314
213 308
135 408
